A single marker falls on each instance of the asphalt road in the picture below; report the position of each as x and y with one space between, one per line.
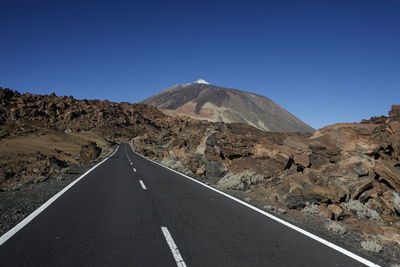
109 219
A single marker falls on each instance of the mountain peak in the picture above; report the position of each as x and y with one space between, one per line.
200 100
201 81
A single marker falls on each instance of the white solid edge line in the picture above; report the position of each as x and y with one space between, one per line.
36 212
142 184
298 229
174 249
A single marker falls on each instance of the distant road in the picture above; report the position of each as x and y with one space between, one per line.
130 211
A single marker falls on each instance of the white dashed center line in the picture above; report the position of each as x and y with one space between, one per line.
142 184
173 247
134 169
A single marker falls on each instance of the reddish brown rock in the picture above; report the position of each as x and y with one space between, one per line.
390 235
324 211
336 210
388 173
358 186
200 172
302 159
391 200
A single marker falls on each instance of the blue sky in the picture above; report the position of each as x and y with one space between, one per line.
324 61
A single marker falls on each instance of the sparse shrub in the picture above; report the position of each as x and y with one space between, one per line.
371 246
311 209
362 211
240 181
335 227
175 165
280 211
396 201
268 207
275 209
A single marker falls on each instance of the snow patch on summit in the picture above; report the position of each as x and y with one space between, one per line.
201 81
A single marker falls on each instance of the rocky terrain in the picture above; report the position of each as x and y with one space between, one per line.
347 173
343 179
201 100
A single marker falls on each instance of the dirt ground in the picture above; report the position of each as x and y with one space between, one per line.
48 142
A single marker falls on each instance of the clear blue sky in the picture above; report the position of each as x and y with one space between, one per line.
324 61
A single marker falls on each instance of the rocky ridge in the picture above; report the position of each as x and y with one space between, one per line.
26 113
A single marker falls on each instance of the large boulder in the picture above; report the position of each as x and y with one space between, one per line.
89 152
298 189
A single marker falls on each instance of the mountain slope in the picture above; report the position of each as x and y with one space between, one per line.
201 100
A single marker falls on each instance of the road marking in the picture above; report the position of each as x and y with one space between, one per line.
131 163
134 169
36 212
142 184
174 249
298 229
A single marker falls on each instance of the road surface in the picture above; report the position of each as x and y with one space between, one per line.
130 211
